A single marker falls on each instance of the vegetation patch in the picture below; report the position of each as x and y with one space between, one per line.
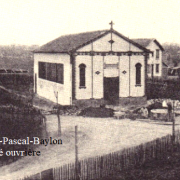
18 120
18 123
166 168
66 110
97 112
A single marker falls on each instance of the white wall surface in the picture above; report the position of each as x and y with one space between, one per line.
124 77
84 93
125 81
111 72
98 87
137 91
103 44
152 59
122 45
48 89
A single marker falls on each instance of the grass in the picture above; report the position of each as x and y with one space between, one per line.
164 169
18 121
25 89
18 125
97 112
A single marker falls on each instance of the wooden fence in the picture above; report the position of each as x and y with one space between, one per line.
113 163
15 78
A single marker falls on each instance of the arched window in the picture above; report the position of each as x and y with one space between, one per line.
82 75
138 73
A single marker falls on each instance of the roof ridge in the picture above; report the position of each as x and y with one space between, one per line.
72 35
131 41
85 32
146 41
144 38
71 42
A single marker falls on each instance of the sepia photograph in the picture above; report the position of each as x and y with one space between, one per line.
89 90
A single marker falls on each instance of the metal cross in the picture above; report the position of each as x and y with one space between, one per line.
111 23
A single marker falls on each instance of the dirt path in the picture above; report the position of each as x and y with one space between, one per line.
97 136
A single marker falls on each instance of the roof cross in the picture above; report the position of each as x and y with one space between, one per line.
111 23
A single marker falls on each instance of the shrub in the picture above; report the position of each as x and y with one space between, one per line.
97 112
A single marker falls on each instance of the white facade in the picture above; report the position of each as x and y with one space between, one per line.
49 89
155 60
97 67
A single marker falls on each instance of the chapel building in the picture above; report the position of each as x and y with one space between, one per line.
99 67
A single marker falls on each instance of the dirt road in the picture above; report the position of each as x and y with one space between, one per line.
97 136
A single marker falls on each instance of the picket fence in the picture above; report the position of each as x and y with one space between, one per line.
113 163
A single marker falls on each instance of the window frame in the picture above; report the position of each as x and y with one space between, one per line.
61 66
51 72
157 53
149 68
82 76
41 68
157 68
138 78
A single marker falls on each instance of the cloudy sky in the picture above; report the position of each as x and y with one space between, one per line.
39 21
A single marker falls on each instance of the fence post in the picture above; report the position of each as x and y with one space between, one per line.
59 121
77 170
101 166
144 153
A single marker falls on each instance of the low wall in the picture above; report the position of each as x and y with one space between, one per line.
133 100
122 101
89 102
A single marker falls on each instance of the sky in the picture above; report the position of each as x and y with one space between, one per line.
36 22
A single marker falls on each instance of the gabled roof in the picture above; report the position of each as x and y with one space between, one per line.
145 42
72 42
69 42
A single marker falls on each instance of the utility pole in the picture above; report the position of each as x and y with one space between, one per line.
58 113
59 122
173 128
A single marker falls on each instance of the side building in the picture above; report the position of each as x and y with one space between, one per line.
155 63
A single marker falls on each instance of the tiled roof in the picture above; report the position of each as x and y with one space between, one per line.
145 42
69 43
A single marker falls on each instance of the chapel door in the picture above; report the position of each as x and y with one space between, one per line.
111 89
